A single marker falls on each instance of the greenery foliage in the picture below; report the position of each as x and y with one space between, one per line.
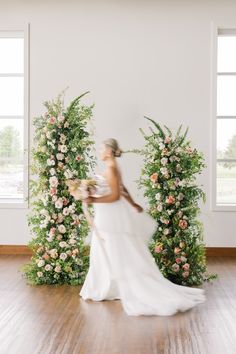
63 149
168 177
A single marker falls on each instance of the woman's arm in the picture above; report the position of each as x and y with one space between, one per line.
113 181
128 197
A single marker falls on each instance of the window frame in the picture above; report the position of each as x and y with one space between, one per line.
7 203
217 30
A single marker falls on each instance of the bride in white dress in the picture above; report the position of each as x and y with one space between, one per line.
121 264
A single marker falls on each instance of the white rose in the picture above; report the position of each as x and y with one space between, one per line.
57 269
72 241
59 203
63 256
66 211
164 170
62 148
63 244
71 209
50 162
53 253
164 161
53 181
48 267
62 229
166 232
40 274
60 156
41 263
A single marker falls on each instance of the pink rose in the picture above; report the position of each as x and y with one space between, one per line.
65 201
78 158
170 199
53 191
183 224
154 177
45 256
52 120
158 248
185 266
178 260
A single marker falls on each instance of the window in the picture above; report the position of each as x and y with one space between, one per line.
13 119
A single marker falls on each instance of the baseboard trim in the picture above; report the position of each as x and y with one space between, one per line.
210 251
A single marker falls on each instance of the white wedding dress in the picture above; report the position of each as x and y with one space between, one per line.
122 267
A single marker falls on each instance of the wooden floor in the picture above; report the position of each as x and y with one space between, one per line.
47 319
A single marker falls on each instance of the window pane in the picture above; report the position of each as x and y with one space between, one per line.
227 53
11 55
11 158
226 138
226 183
11 96
226 96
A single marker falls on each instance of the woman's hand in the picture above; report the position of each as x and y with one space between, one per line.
138 207
88 200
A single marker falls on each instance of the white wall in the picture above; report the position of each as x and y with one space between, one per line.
137 58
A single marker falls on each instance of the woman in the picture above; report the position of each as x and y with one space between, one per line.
121 265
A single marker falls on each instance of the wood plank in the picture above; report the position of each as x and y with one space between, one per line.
55 320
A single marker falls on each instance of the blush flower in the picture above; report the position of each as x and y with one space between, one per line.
167 140
183 224
154 177
186 266
52 120
170 199
177 250
158 248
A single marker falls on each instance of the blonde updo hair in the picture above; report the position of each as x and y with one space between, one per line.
113 144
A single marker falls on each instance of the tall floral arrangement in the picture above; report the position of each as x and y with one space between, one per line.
63 149
168 177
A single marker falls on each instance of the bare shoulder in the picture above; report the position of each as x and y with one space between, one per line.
111 171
